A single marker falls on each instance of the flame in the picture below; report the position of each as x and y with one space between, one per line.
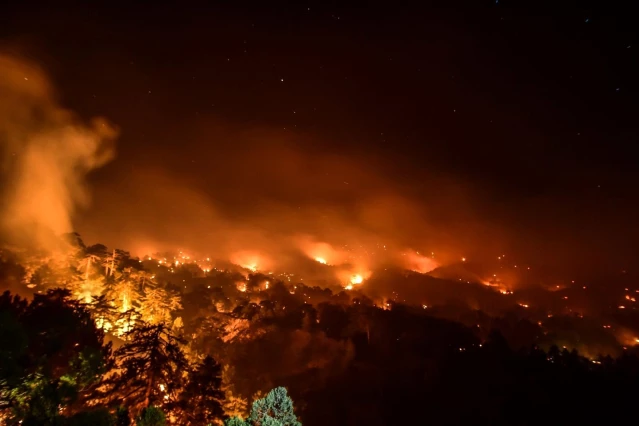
249 260
351 277
125 303
321 252
626 336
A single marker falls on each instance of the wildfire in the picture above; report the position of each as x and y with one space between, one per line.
125 303
419 263
355 279
322 252
249 260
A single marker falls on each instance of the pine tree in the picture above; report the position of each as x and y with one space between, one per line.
276 409
124 294
149 368
51 357
200 402
158 304
234 405
103 312
235 421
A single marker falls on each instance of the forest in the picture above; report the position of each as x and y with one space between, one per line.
96 336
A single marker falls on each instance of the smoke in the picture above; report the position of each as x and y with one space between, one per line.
276 201
47 153
259 196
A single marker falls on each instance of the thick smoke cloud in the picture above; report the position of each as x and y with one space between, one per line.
47 153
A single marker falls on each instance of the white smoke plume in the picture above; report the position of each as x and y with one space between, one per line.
47 153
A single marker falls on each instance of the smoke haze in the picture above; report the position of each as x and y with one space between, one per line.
47 154
270 195
266 197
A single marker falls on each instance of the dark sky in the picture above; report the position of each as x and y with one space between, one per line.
508 125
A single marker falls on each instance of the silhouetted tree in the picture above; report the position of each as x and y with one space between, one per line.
150 367
61 363
99 417
200 402
103 311
122 416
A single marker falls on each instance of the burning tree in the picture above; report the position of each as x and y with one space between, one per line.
234 405
157 304
150 368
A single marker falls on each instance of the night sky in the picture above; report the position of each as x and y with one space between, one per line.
477 127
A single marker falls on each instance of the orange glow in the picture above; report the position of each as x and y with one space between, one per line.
351 277
321 252
249 260
626 336
418 263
